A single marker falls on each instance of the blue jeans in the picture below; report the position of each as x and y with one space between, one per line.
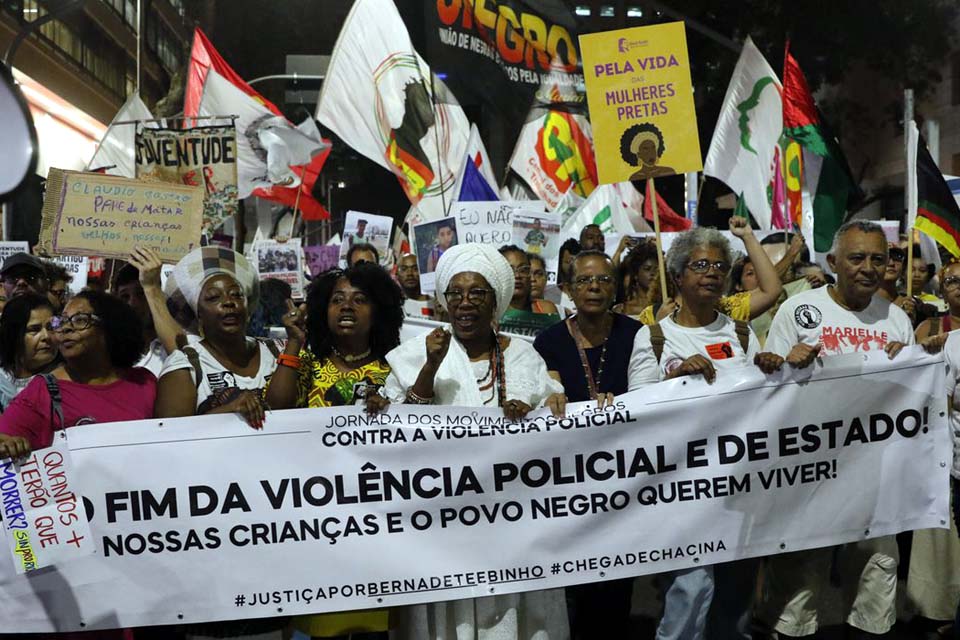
686 602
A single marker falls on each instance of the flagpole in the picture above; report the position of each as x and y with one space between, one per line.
652 194
907 119
139 23
436 135
296 211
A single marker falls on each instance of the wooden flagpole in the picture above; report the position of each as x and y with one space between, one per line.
652 194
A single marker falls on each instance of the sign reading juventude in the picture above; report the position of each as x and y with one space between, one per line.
641 102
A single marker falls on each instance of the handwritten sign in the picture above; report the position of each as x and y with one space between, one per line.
94 214
641 102
43 516
489 222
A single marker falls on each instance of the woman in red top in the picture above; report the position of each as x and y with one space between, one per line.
97 380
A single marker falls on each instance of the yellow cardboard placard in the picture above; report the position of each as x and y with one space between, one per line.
641 102
94 214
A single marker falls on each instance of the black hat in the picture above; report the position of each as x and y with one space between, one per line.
22 260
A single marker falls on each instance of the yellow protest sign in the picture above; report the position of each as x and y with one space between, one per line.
641 102
95 214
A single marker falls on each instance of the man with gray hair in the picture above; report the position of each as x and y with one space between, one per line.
842 318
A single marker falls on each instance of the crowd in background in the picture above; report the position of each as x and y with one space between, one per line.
215 339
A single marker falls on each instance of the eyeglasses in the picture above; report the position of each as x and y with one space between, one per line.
76 322
951 282
476 297
897 256
521 271
582 282
703 266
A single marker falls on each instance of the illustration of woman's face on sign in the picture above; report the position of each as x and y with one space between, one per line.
646 150
642 146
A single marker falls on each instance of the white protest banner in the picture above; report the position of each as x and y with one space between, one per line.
489 222
281 261
203 518
78 267
44 521
8 248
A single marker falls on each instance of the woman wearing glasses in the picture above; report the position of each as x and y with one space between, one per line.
589 354
97 380
476 367
696 339
950 290
525 315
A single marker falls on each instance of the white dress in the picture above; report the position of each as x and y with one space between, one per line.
534 615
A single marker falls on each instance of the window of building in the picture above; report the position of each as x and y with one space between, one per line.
582 10
955 164
32 10
634 12
607 11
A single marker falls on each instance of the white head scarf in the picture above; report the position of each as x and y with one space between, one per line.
477 258
194 269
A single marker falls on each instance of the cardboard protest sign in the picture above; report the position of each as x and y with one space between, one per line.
43 517
198 157
430 241
281 261
641 102
365 228
93 214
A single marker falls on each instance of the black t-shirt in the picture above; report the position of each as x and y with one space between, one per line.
558 348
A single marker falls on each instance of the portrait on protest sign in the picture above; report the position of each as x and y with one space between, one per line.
365 228
321 258
282 261
641 102
430 241
199 157
537 233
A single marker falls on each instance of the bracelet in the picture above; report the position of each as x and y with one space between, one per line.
286 360
413 398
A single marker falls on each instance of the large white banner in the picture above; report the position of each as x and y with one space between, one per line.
204 519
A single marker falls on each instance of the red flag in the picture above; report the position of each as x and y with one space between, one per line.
669 219
205 58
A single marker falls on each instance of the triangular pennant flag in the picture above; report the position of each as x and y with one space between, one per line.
473 186
116 153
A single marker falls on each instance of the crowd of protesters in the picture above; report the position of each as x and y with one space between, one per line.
214 339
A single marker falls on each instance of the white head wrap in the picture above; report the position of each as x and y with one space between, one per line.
477 258
194 269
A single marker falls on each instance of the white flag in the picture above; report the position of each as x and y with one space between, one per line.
267 144
554 154
381 98
604 208
116 153
748 131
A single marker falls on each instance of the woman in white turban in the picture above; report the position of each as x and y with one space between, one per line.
476 367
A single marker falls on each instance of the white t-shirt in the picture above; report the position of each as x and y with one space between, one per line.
718 341
216 378
951 353
812 317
